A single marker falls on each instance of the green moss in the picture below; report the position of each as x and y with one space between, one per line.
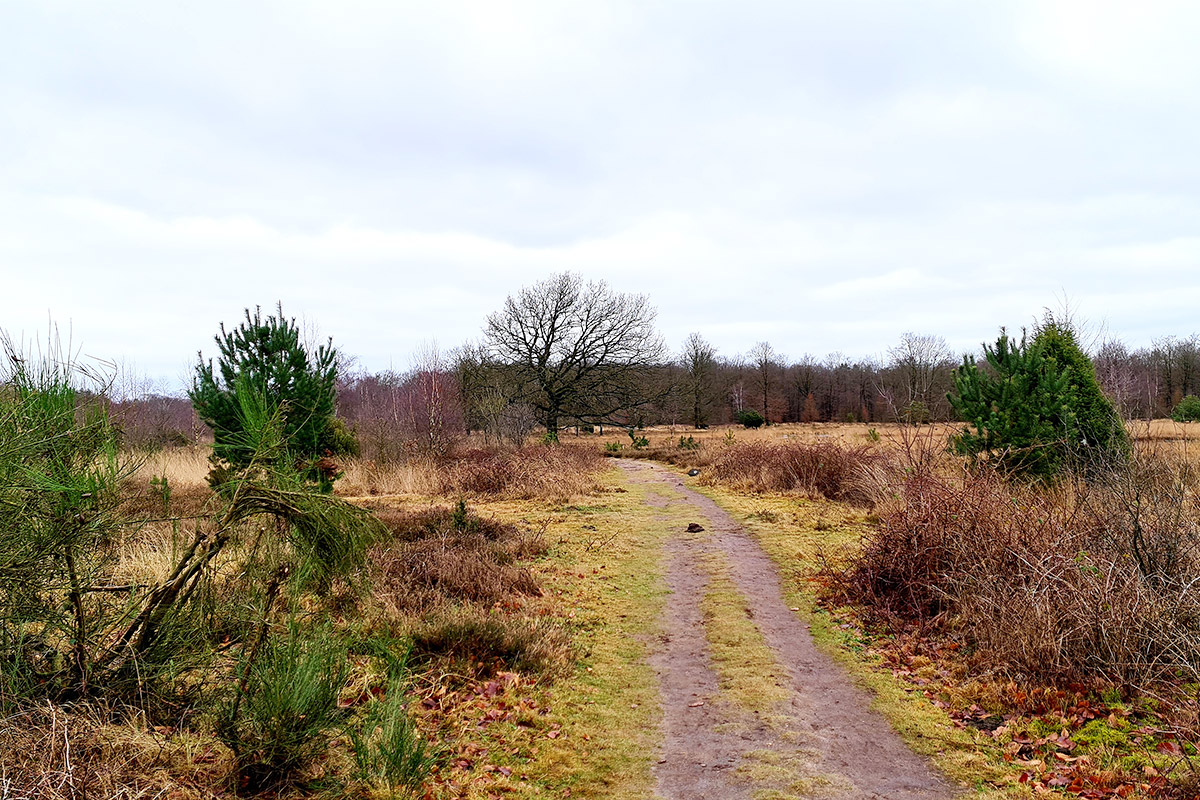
1102 732
786 775
1135 762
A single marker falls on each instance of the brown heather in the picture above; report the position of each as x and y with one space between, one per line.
428 562
1071 582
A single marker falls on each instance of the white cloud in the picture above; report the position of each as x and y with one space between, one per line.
825 176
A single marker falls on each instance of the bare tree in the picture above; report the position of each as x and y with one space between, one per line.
429 394
921 366
763 356
738 395
577 351
699 362
1118 376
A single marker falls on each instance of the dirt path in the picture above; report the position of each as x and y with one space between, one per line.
823 742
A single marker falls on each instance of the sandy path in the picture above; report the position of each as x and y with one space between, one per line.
826 734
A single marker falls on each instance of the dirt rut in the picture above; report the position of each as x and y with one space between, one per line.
825 736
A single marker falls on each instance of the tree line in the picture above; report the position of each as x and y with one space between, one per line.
568 355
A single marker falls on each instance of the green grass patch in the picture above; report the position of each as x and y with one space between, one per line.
602 734
749 675
787 775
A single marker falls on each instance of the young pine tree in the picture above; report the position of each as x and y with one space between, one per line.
269 359
1037 407
1020 408
1102 441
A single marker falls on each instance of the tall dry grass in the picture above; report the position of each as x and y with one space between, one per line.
184 467
531 472
50 752
833 471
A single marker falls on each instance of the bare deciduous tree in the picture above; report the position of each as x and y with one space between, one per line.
576 351
763 356
921 366
429 393
699 362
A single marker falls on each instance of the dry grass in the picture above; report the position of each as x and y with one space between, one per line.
49 753
667 436
532 472
833 471
183 467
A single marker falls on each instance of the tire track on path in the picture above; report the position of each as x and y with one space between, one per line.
825 735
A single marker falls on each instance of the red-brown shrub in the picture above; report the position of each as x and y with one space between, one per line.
428 561
1045 581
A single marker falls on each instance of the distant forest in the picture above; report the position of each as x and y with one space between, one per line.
429 406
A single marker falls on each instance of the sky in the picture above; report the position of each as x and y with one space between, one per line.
822 176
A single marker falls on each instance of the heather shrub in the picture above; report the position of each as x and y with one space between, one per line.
528 472
829 470
444 555
1080 581
478 642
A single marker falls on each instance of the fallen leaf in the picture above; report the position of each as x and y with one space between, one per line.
1170 748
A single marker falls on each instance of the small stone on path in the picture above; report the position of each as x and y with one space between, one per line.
694 527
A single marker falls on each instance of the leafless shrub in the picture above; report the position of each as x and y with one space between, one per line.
1065 583
825 469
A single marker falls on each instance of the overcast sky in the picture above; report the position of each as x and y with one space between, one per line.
820 175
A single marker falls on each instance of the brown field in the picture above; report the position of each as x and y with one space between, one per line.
851 433
527 617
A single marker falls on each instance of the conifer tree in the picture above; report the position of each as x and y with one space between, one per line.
268 357
1102 440
1037 407
1020 408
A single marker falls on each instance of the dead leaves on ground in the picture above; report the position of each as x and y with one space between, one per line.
492 727
1039 731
